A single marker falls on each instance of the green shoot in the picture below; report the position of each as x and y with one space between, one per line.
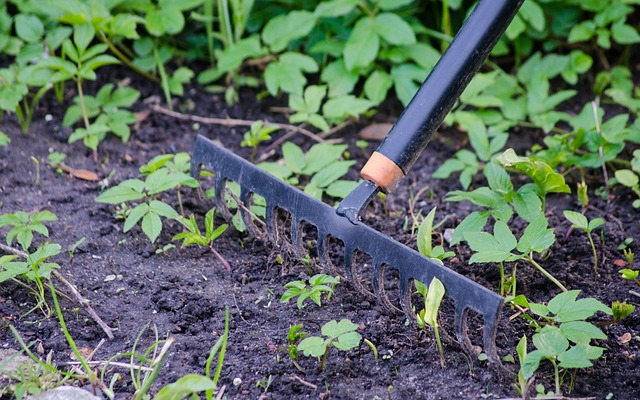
294 336
341 335
429 314
579 221
24 225
621 310
318 284
194 236
258 133
425 247
630 275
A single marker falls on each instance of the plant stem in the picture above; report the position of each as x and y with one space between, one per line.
164 79
595 254
439 342
529 258
557 376
501 278
122 57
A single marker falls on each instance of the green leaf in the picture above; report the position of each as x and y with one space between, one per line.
167 19
624 34
152 226
530 364
163 209
578 356
283 29
581 331
406 78
362 46
162 180
498 179
395 30
321 155
135 215
425 231
331 173
293 157
627 177
540 172
527 202
340 188
339 108
582 32
340 80
312 346
184 386
377 86
473 222
435 293
129 190
577 219
533 14
334 329
347 341
551 342
536 237
335 8
28 27
286 74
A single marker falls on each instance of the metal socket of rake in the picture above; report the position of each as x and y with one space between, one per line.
385 252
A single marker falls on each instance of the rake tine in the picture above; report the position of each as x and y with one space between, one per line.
247 218
220 198
296 240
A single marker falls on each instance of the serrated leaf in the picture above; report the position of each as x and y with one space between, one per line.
498 179
550 341
362 46
579 356
340 80
294 157
283 29
331 173
340 188
28 27
287 74
393 29
152 226
581 331
540 172
536 237
530 364
320 155
377 86
577 219
347 341
473 222
335 8
162 209
129 190
135 215
312 346
334 329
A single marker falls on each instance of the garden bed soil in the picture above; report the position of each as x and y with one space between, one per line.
184 293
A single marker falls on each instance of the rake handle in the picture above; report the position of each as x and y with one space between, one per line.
409 136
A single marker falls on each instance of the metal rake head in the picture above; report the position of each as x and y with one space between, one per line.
386 253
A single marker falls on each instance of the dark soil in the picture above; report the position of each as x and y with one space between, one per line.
183 293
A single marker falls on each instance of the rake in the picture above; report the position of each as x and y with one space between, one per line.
383 171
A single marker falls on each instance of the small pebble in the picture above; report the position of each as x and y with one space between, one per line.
237 382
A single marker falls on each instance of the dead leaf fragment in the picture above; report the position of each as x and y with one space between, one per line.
80 173
375 131
620 263
625 338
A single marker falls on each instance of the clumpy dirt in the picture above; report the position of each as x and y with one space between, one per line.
184 293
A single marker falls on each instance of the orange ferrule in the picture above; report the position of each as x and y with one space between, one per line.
383 172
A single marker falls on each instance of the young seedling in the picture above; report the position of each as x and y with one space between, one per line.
621 310
579 221
341 335
193 235
429 314
425 247
294 336
564 337
258 133
630 275
151 209
24 225
318 284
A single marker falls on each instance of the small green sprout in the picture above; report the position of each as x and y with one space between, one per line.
425 247
630 275
429 314
194 236
294 336
341 335
265 383
579 221
317 285
621 310
4 139
258 133
24 225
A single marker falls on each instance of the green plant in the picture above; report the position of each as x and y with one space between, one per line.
564 338
31 379
84 62
4 139
609 22
294 336
258 133
24 225
579 221
318 284
193 235
318 170
425 246
265 383
191 384
621 310
150 210
630 275
429 314
341 335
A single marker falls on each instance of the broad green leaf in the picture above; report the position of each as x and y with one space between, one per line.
44 252
28 27
473 222
435 293
313 191
394 4
83 36
334 329
595 223
377 86
339 108
331 173
581 331
483 196
582 32
550 341
533 14
406 80
627 177
527 203
530 364
340 188
287 74
184 386
498 179
492 255
312 346
536 237
393 29
340 80
347 341
162 180
425 231
283 29
540 172
320 155
135 215
162 209
335 8
129 190
168 19
152 226
624 34
579 355
577 219
504 237
362 46
294 157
